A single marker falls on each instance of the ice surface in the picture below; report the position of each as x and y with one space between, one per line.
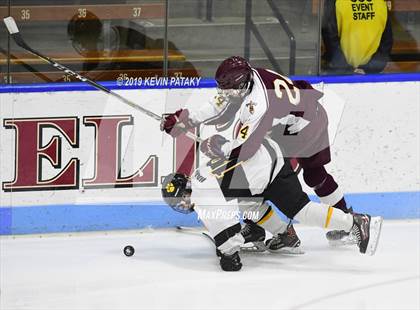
173 270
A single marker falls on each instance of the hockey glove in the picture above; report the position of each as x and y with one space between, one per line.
176 123
212 147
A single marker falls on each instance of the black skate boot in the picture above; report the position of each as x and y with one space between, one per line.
366 230
254 235
341 237
230 262
286 243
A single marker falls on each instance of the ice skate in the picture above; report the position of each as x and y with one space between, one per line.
340 237
367 230
254 236
285 243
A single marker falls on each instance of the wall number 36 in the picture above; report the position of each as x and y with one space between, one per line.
25 14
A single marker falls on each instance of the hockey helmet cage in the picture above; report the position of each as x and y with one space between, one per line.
176 192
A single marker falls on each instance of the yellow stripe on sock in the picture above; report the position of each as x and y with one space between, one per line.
327 221
266 217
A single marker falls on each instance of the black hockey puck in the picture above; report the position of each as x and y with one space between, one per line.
128 250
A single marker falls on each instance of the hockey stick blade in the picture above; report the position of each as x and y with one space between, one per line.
11 25
17 37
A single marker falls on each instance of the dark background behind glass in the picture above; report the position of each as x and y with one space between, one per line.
194 38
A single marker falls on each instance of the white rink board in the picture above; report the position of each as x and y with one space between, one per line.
376 148
139 141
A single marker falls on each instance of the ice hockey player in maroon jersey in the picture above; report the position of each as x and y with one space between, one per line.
271 103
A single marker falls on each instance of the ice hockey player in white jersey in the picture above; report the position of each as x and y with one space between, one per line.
269 102
216 190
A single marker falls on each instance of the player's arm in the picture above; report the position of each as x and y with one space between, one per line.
192 115
249 138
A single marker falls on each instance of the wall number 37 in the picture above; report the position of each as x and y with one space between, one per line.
136 12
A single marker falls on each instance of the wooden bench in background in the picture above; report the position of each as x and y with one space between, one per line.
122 56
98 75
129 57
402 66
405 57
405 47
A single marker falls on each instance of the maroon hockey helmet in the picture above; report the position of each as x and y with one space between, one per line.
233 73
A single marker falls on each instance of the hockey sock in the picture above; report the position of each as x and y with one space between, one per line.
271 221
321 215
335 199
325 187
229 240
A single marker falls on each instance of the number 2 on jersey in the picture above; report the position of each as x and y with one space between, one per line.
286 83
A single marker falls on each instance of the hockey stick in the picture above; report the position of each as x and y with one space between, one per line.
17 37
194 231
28 67
260 247
251 247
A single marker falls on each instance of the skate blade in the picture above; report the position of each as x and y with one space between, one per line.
253 247
375 232
288 250
342 242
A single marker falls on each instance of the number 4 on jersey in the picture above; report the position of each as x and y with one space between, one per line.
244 132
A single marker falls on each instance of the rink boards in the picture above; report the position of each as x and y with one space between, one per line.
75 159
